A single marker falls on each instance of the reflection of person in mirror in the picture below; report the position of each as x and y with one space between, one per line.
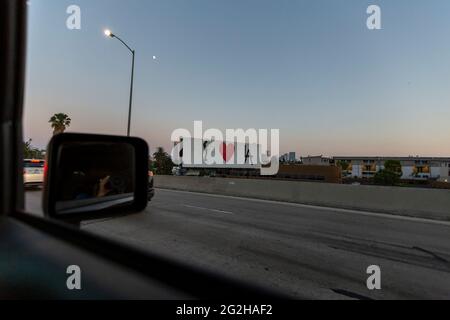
103 187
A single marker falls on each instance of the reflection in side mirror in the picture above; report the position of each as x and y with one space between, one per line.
94 176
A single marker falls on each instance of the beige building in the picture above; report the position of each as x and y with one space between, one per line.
413 168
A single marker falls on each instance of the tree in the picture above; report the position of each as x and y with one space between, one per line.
162 163
393 166
344 165
30 152
390 175
60 122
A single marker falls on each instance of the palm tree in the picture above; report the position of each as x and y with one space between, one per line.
60 122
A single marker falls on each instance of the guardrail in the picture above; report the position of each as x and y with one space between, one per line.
414 202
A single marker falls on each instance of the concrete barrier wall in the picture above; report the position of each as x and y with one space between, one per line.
416 202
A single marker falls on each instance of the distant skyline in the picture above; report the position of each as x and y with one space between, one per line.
309 68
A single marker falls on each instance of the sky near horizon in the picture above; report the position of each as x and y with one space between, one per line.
309 68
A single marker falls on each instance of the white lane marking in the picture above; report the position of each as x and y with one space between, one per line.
336 210
209 209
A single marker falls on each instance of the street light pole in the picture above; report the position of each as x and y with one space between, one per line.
131 94
108 33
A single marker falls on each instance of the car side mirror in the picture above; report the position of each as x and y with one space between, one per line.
95 176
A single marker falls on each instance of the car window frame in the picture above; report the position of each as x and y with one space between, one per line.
201 283
13 22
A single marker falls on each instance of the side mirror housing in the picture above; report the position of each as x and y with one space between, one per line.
95 176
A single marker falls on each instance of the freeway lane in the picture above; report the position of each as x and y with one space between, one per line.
308 252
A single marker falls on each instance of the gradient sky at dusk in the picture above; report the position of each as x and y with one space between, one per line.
310 68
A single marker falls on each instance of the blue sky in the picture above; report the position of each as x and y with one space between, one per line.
309 68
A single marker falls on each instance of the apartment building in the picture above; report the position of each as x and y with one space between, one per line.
413 168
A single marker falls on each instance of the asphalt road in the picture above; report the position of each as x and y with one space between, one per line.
308 252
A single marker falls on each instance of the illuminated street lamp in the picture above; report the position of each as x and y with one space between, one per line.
109 34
